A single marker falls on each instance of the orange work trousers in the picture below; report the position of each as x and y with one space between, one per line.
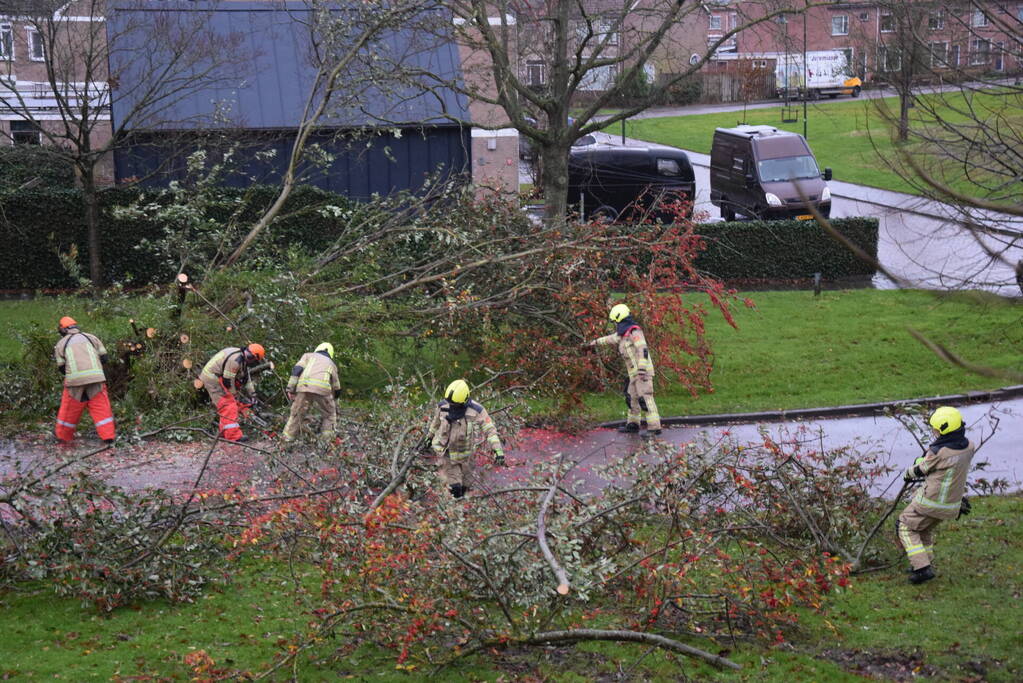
74 401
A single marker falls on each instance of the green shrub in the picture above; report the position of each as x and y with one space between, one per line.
20 164
786 250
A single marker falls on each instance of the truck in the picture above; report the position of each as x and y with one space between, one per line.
827 72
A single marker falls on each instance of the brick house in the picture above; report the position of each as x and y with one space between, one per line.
28 104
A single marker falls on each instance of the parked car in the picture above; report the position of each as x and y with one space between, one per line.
763 172
625 182
527 148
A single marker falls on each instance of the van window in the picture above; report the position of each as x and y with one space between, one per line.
788 168
668 167
739 164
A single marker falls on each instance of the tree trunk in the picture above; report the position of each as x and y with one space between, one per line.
555 184
90 200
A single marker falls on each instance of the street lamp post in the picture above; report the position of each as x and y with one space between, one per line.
806 80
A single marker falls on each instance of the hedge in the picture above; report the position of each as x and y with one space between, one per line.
36 225
786 250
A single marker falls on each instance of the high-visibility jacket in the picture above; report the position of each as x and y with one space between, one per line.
80 354
633 347
229 365
945 480
315 373
460 437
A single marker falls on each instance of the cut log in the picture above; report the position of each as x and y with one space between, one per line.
182 279
197 383
183 339
187 364
150 332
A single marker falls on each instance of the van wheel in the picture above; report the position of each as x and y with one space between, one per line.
727 212
604 213
856 91
832 95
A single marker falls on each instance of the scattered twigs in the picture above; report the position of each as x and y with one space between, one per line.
394 483
181 515
541 537
621 636
856 562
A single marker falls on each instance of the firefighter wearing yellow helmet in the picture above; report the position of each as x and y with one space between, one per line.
314 382
639 385
456 431
943 469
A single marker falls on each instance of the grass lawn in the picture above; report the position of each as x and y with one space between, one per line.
799 351
852 137
962 626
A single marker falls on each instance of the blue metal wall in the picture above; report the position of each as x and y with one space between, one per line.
363 165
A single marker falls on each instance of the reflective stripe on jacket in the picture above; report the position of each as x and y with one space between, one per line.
945 482
315 373
635 352
228 364
460 438
79 354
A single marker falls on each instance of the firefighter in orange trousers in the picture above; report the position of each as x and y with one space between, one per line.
225 377
639 387
943 468
80 357
456 427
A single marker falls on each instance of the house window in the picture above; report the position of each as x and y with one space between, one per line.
536 72
715 22
606 31
978 19
980 51
953 57
939 55
889 58
25 133
6 42
864 16
849 68
35 46
887 23
936 21
840 25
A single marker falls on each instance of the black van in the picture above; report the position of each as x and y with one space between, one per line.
626 182
763 172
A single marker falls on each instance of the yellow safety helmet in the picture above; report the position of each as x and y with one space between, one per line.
946 419
619 313
328 347
457 391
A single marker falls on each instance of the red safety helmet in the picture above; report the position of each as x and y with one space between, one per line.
66 321
257 350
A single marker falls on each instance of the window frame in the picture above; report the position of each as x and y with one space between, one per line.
6 41
845 24
541 67
978 19
34 40
710 22
881 22
943 63
983 55
30 135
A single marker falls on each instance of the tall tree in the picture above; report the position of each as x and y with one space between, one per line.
554 65
67 76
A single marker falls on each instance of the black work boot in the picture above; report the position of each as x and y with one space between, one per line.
921 575
457 490
629 428
651 433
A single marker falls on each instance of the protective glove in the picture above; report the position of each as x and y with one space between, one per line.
964 507
426 446
499 460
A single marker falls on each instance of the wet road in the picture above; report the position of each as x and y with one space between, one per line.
883 437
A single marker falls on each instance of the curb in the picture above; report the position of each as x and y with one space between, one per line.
856 410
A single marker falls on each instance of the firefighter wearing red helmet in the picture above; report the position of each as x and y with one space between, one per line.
226 378
80 357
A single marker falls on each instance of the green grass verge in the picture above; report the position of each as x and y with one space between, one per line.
852 137
962 626
796 350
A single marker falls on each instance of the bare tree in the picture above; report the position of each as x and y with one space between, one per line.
78 57
554 66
